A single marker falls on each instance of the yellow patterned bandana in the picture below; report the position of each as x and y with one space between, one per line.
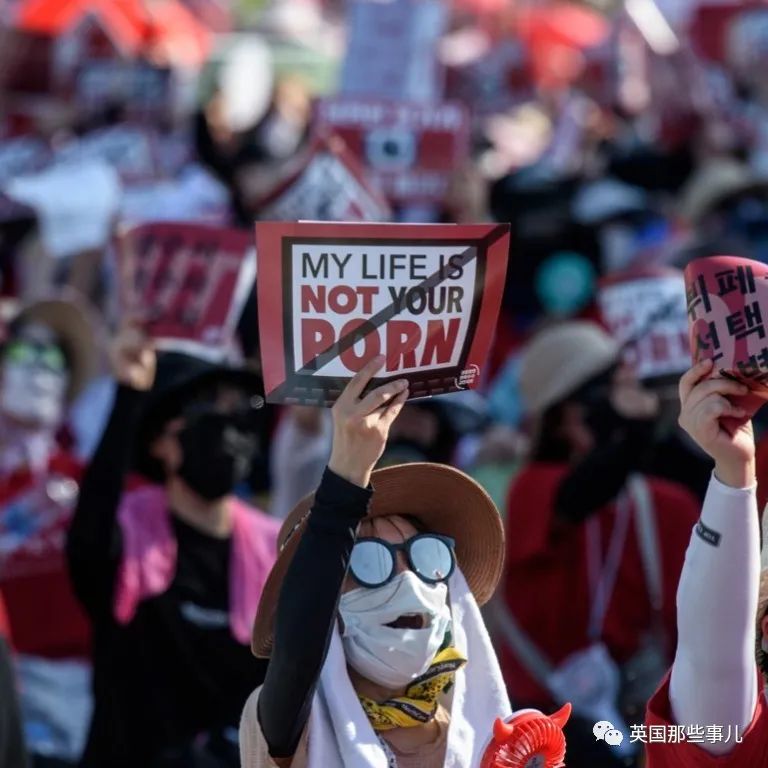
419 704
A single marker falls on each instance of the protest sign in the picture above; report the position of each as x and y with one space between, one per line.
329 185
189 282
21 156
409 150
645 311
727 299
144 91
131 150
334 295
722 31
76 205
392 49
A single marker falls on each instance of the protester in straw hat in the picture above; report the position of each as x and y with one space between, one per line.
45 361
715 686
378 653
577 517
170 572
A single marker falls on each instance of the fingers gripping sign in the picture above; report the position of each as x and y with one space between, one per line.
361 423
721 428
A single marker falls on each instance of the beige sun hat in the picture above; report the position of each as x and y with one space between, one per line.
714 182
69 317
559 359
442 498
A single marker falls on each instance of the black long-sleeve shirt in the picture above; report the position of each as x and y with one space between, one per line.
306 612
174 671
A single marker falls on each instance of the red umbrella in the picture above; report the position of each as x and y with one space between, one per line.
556 34
165 31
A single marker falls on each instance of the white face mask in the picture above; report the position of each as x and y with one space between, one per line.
33 394
388 656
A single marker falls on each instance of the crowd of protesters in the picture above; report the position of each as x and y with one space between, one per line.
134 552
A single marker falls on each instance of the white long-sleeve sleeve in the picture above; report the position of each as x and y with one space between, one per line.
713 676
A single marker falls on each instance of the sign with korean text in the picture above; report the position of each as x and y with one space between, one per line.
188 282
334 295
646 313
409 150
727 302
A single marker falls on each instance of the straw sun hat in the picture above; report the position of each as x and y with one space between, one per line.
562 358
443 499
70 319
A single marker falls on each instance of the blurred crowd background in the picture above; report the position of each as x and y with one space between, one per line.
619 139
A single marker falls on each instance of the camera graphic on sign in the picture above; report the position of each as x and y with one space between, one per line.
390 149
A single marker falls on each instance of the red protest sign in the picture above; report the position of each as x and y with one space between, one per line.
188 281
731 33
645 311
334 295
727 299
409 150
329 185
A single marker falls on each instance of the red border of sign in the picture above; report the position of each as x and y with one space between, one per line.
494 238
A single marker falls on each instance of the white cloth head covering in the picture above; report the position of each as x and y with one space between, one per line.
341 735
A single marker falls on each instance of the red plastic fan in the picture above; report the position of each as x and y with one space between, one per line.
529 739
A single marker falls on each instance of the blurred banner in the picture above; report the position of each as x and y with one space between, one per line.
188 283
410 151
392 49
329 185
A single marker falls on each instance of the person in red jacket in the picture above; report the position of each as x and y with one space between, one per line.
594 547
714 698
45 361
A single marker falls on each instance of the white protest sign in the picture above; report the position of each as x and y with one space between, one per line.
332 296
330 186
648 314
392 49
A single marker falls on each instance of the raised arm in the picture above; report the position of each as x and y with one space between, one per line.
714 679
93 543
306 615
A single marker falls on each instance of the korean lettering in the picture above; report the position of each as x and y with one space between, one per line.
740 279
746 321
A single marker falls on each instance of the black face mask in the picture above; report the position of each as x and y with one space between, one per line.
218 451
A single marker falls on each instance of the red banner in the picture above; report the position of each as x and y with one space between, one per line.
189 282
410 150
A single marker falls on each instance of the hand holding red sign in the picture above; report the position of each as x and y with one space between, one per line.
361 423
333 296
188 283
727 297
